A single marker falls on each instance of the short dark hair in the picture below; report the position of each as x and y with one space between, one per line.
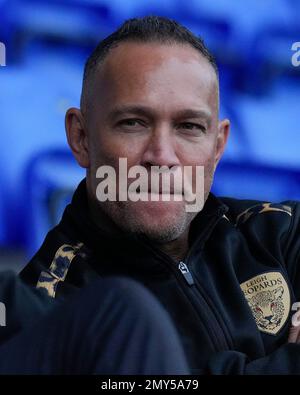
145 30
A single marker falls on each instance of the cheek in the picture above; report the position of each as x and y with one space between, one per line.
200 155
203 156
198 151
106 148
208 175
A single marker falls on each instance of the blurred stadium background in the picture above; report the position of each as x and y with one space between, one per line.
47 43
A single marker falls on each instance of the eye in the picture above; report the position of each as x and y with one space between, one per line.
131 123
128 122
193 127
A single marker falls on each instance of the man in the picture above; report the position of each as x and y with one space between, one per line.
227 275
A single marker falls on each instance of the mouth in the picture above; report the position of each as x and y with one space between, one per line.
159 191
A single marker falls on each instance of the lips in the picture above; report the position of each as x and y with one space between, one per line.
160 186
160 191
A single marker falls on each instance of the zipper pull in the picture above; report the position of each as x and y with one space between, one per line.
186 273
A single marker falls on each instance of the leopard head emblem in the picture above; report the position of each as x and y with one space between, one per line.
268 308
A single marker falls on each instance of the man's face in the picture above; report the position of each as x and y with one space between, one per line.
155 105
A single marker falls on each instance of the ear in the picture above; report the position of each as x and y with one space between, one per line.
223 133
77 136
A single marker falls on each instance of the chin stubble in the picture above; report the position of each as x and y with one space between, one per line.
129 222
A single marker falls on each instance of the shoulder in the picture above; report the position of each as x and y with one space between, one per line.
241 211
58 256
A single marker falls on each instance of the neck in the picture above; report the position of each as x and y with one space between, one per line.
176 249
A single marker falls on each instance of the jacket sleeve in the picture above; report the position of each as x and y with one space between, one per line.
291 249
284 361
21 305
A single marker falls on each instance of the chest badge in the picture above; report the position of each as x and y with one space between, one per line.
269 299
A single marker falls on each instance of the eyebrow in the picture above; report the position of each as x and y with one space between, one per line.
147 111
125 109
191 113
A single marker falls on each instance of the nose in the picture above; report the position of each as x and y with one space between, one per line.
160 149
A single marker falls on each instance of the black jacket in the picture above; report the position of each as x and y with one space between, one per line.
230 300
21 306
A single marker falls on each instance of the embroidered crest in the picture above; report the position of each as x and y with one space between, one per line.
268 297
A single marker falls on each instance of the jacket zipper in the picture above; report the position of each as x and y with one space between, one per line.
220 340
186 273
212 324
227 339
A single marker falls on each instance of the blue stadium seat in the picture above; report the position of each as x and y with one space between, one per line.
272 47
245 17
238 142
70 22
271 56
254 181
3 215
34 100
50 180
7 28
4 30
271 123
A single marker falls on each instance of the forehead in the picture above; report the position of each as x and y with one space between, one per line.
157 75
